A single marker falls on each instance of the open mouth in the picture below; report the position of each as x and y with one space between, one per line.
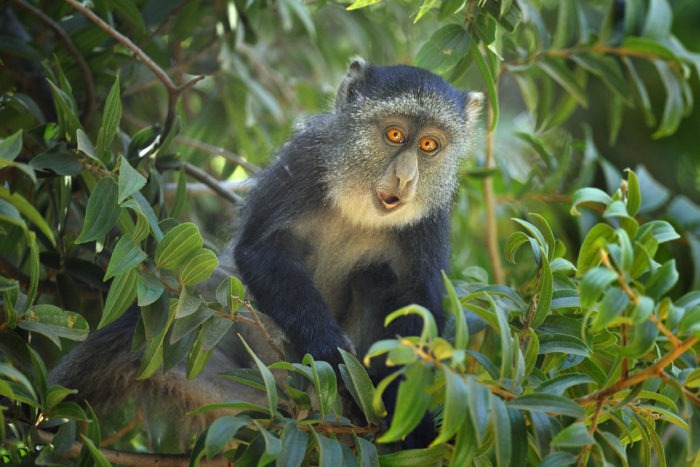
388 200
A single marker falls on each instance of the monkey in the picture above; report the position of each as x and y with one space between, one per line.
348 223
351 220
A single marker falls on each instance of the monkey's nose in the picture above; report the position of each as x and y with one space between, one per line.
388 200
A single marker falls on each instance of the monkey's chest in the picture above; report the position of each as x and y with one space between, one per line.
351 267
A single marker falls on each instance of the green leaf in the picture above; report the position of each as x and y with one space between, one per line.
85 146
148 288
559 384
513 244
575 435
413 393
198 267
562 343
102 211
213 330
126 255
57 160
180 194
545 292
325 383
456 406
558 71
359 385
416 457
690 323
222 431
596 240
634 194
614 302
589 195
444 49
674 106
593 283
640 92
641 340
98 458
547 403
110 121
489 81
11 146
366 452
502 431
461 333
65 110
558 459
662 231
479 408
28 211
662 280
329 450
293 446
177 245
658 20
34 263
608 70
429 331
130 180
55 323
121 295
268 380
357 4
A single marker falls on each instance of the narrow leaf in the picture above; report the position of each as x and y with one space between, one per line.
102 211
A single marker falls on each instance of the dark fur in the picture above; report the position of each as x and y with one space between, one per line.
329 280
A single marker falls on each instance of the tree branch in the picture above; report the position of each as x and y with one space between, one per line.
136 458
173 89
199 174
654 370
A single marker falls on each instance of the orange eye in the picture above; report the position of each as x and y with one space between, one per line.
428 145
395 135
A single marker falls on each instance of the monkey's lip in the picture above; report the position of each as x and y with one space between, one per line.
388 200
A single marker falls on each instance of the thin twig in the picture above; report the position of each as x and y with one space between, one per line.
199 174
204 147
64 38
218 151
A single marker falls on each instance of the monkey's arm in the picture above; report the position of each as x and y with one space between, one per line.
272 267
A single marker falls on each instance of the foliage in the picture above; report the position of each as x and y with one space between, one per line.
582 350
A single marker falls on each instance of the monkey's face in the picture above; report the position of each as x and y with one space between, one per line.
397 167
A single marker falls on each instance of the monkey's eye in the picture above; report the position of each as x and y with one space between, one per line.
428 145
395 135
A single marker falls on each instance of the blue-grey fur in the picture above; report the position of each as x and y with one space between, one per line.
334 238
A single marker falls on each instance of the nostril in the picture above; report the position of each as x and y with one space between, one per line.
388 200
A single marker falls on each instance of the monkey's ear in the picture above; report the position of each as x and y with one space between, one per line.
349 87
473 104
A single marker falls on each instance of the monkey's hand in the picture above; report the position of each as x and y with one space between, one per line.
325 346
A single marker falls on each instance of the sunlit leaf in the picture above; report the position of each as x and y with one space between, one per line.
177 245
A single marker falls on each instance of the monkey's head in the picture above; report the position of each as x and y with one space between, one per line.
395 142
